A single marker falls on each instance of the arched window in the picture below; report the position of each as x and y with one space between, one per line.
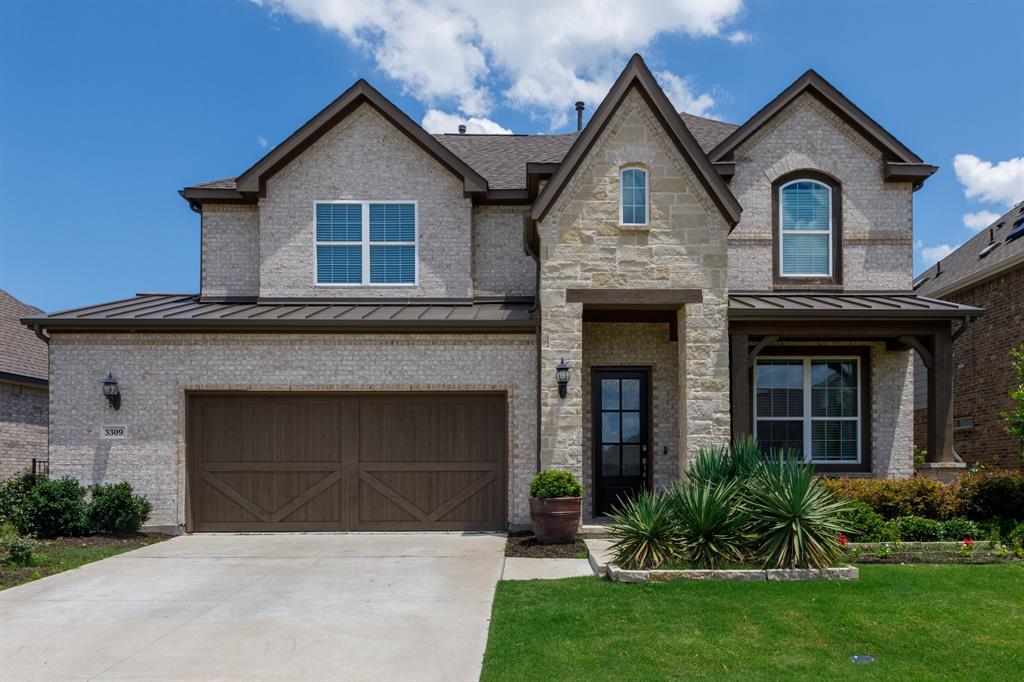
806 229
633 200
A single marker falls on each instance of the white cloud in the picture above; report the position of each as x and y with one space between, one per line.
739 37
931 254
536 55
979 220
440 122
1002 183
262 141
680 92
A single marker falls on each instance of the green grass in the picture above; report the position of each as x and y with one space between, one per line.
63 554
922 622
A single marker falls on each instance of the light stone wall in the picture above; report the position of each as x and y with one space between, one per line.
877 215
500 266
23 418
155 370
684 246
364 158
230 250
636 345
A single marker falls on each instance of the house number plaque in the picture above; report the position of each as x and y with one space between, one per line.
113 432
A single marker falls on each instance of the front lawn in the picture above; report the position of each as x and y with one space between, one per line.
62 554
918 621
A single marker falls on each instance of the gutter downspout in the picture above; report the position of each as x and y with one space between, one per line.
529 251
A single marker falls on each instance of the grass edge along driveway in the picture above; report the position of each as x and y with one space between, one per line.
918 621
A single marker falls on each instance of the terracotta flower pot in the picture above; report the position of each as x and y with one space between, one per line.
555 520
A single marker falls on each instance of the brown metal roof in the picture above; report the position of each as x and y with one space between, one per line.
759 305
977 259
23 355
182 312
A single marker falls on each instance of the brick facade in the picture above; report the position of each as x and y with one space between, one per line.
983 375
230 255
500 266
23 419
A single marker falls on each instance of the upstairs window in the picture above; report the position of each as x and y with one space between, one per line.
805 222
634 196
365 243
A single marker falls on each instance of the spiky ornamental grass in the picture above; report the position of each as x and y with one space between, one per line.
795 520
644 532
711 519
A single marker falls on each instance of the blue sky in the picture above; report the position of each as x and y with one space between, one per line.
107 109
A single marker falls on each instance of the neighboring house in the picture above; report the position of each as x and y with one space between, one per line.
23 389
384 314
986 272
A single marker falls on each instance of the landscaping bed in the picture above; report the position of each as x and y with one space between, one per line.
56 555
525 544
931 553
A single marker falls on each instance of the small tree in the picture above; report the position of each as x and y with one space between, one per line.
1015 417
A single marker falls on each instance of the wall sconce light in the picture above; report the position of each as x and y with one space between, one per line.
111 392
562 377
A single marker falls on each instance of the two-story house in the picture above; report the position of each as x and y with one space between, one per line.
397 330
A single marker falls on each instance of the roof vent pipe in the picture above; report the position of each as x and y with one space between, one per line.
462 129
991 235
938 268
579 116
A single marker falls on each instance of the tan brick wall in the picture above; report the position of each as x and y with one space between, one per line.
647 346
684 246
364 157
500 266
23 418
877 216
230 250
154 372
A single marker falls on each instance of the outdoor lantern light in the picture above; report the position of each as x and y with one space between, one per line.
111 392
562 377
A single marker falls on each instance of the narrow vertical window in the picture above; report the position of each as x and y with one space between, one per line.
805 221
634 196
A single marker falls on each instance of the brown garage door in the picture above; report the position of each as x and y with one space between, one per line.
271 462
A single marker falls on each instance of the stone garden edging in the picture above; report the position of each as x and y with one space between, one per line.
620 575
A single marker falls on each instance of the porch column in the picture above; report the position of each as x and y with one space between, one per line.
739 384
561 431
940 398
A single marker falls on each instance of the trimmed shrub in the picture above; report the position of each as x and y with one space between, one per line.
643 532
918 529
895 497
12 497
555 483
19 550
990 495
959 528
1015 538
867 525
711 519
53 507
796 521
116 509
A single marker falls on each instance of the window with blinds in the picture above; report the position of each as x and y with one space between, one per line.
805 217
365 243
633 204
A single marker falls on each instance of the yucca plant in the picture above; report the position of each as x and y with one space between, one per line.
644 532
718 464
795 520
711 520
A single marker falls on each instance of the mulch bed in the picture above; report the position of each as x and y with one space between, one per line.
112 541
525 544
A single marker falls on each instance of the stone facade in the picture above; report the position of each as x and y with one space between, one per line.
683 246
230 250
500 266
877 216
23 418
154 372
363 158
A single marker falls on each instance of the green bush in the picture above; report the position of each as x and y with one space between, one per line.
896 497
12 497
53 507
555 483
959 528
643 532
1015 538
116 509
711 520
19 550
918 529
796 520
990 495
867 525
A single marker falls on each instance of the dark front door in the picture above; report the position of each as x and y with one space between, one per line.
621 435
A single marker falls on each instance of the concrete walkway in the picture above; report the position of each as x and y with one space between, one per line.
261 607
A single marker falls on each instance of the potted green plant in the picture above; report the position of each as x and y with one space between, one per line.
555 504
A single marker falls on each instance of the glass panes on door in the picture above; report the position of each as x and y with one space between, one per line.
621 427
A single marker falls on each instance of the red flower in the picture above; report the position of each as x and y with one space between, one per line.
968 542
842 540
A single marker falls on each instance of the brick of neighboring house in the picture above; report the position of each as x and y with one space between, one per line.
983 374
23 418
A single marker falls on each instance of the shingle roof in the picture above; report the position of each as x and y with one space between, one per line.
746 305
21 352
502 159
967 265
186 311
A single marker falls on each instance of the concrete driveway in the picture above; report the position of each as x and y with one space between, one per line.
261 607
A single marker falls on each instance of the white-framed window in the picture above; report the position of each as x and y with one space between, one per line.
633 196
810 405
805 229
366 243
